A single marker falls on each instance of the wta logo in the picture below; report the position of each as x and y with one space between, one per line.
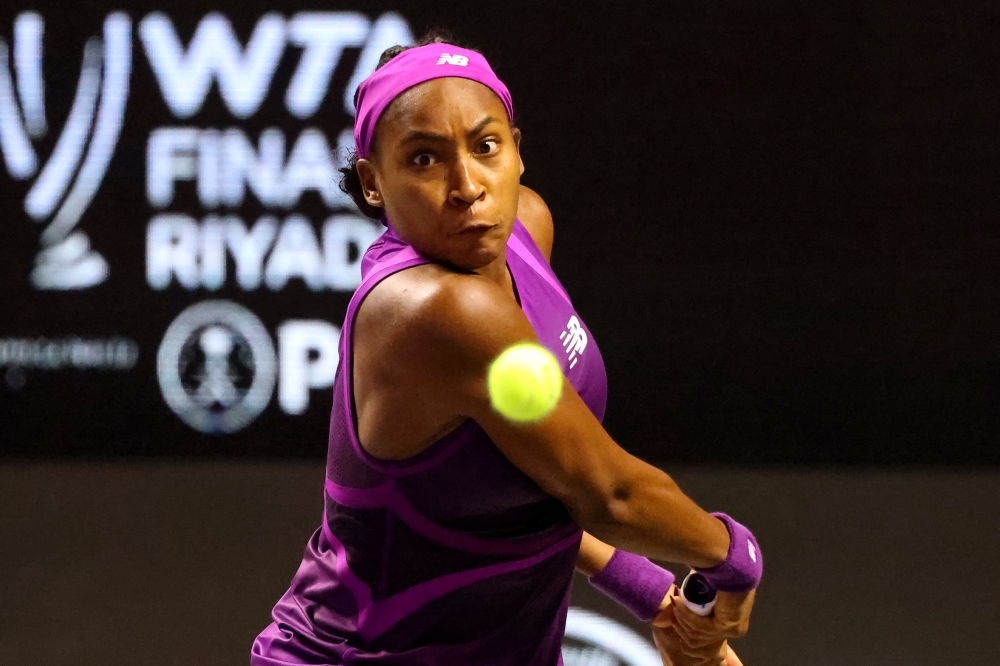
64 185
201 169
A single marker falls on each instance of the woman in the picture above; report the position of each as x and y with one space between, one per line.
450 535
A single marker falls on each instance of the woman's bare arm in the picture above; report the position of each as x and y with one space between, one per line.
534 214
456 327
594 555
537 219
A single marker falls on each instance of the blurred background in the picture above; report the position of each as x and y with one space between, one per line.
778 220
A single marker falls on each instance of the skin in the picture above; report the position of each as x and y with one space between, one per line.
447 169
686 639
692 640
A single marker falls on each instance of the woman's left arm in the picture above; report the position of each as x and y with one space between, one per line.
594 554
537 219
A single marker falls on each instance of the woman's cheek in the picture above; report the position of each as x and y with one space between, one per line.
425 196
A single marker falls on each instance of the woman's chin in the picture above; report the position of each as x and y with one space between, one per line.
476 255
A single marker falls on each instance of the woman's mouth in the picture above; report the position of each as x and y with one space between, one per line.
476 228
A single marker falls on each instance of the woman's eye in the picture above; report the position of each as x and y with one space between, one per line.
488 147
424 159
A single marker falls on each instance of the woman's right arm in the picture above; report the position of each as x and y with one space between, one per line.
459 327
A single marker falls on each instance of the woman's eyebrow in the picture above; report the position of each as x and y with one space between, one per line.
481 125
418 135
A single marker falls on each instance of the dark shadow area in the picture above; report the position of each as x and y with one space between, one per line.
179 563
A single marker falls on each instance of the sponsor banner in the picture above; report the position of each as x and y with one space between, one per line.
169 182
199 176
72 352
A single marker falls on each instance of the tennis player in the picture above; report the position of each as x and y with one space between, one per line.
450 535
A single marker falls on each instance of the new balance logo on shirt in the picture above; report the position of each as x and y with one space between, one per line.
447 59
574 340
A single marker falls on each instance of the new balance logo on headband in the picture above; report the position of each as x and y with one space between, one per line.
447 59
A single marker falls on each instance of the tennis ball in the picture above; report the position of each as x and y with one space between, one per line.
525 382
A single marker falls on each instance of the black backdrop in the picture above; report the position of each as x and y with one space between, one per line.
777 220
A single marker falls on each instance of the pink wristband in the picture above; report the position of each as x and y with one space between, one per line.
635 583
743 567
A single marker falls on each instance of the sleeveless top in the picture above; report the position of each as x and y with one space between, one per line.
453 556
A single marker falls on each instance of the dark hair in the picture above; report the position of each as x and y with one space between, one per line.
350 182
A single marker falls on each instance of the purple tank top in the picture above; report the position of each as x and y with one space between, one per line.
453 556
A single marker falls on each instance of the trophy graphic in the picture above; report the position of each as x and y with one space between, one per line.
64 186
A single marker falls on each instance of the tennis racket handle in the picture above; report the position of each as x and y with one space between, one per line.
698 594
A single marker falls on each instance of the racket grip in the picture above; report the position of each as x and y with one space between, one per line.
698 594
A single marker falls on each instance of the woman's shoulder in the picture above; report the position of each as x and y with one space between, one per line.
536 218
429 305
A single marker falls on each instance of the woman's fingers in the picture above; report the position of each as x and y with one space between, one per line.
675 652
730 619
693 629
732 613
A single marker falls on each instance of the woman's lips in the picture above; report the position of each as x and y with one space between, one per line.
478 228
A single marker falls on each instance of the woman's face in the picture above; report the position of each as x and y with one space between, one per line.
446 170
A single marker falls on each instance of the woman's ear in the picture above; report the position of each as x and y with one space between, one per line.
516 133
369 183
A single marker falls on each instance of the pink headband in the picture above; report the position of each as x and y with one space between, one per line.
412 67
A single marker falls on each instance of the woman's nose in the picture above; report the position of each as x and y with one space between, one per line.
466 187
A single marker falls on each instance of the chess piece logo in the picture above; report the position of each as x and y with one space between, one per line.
217 367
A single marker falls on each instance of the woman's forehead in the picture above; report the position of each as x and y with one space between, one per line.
442 103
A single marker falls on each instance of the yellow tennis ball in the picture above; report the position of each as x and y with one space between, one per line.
525 382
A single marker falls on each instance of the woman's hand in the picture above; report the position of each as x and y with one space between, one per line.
674 652
730 619
681 642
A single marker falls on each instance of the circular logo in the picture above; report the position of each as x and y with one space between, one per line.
592 638
216 367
